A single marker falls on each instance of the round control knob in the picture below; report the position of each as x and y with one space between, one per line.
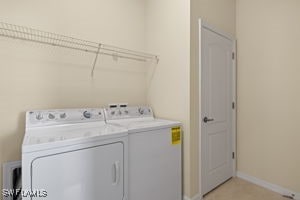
39 116
63 115
141 111
87 114
126 112
51 116
112 112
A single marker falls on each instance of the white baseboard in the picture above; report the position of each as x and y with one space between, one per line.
270 186
196 197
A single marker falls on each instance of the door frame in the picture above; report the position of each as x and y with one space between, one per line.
204 25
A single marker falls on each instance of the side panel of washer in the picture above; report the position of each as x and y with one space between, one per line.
154 166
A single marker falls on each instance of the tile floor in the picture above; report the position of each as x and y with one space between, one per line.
238 189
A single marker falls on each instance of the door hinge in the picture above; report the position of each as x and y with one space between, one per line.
233 55
233 105
233 156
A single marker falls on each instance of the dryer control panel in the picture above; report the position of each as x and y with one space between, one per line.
38 118
122 111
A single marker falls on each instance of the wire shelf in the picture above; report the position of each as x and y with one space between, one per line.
53 39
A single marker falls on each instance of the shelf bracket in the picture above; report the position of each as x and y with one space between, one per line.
96 58
157 59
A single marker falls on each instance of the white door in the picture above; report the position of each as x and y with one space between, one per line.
217 104
93 173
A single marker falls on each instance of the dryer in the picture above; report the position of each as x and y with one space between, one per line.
73 154
155 161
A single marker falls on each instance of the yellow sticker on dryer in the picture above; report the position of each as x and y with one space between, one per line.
176 135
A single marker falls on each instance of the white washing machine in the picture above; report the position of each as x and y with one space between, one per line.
74 154
155 161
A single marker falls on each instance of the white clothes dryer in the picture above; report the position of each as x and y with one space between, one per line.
155 161
73 154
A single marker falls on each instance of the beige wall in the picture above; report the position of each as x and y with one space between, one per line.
34 76
268 34
167 33
219 14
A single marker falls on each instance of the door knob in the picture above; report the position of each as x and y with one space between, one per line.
205 120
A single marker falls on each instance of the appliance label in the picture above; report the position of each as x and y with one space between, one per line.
176 135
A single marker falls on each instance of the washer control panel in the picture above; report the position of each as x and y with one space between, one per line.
122 111
63 116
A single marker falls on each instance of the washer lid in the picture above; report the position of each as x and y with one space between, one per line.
136 118
144 124
41 138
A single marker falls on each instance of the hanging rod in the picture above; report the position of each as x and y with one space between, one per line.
53 39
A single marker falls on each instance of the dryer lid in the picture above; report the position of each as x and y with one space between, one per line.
59 127
53 137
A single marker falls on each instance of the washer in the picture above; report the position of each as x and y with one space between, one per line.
74 154
155 165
